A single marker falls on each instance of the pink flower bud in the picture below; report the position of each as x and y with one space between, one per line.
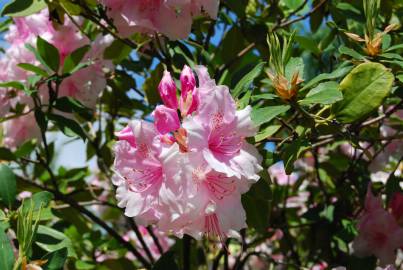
126 134
166 119
167 89
396 205
188 81
189 97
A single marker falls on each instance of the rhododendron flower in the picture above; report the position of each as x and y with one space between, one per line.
277 173
379 233
166 119
185 172
85 84
189 94
142 170
126 134
18 130
218 130
172 18
167 90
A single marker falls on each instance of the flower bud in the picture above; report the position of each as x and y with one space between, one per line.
166 119
188 81
167 89
126 134
189 97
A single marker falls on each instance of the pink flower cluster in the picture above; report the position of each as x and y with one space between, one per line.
186 171
84 85
172 18
380 231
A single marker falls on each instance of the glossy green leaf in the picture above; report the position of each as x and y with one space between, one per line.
264 115
13 84
8 185
292 152
48 53
52 240
73 60
21 8
117 51
247 80
34 69
294 66
55 260
39 202
267 132
69 127
6 252
364 89
350 52
340 72
324 93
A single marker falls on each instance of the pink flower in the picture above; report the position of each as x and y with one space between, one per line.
218 131
142 171
166 119
189 95
172 18
396 206
167 90
126 134
277 173
379 233
20 129
186 183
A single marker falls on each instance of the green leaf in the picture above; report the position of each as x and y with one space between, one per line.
256 203
264 115
34 69
166 261
247 80
70 8
117 51
292 152
6 154
52 240
25 149
350 52
8 185
324 93
40 118
73 59
267 132
40 203
48 53
295 65
308 44
13 84
364 89
71 105
69 127
56 260
341 71
22 8
263 96
37 55
6 252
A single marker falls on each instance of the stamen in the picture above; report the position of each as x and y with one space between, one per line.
213 229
